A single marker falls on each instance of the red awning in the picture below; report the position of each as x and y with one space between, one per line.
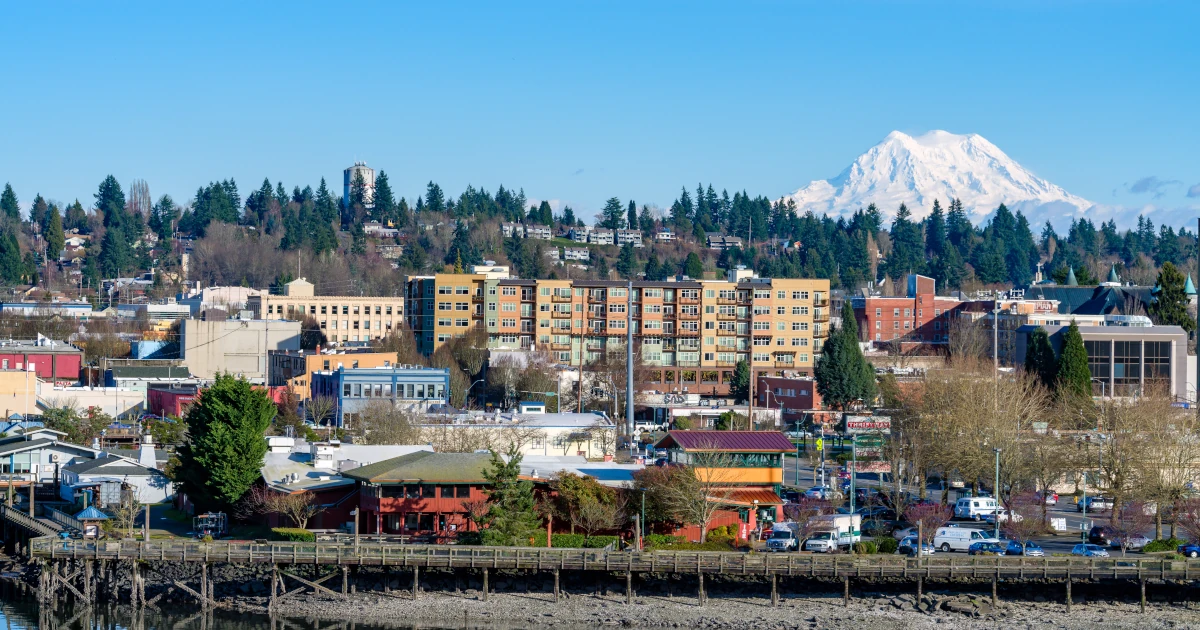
746 497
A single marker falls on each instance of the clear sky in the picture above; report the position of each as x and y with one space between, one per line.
583 101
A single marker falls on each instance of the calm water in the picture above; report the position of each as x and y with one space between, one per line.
20 612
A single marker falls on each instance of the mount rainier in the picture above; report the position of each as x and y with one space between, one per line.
943 166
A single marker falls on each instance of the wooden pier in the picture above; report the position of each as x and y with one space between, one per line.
340 557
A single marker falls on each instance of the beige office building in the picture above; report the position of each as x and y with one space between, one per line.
343 318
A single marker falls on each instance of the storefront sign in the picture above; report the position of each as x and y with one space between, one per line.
868 424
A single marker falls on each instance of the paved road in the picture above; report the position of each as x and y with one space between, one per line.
1066 509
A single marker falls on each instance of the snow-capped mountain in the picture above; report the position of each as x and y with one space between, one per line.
943 166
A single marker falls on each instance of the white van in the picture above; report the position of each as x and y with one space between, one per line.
975 507
959 538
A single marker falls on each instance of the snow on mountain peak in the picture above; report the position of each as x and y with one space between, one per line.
916 170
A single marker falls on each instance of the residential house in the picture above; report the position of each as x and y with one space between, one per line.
664 236
38 455
601 236
108 475
376 229
581 233
722 242
542 232
632 237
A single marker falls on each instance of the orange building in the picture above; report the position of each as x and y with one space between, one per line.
292 368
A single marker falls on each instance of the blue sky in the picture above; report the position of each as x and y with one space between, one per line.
583 101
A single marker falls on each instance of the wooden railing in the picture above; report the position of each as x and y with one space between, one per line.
62 518
26 521
458 556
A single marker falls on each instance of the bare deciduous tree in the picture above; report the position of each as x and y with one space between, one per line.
698 490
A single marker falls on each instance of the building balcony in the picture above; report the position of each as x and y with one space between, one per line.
725 363
560 347
691 317
821 302
560 298
687 364
689 300
726 316
785 364
821 315
688 333
820 332
727 301
560 315
476 298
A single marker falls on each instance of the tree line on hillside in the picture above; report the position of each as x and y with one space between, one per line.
444 231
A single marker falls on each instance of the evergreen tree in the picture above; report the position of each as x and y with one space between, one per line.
613 215
646 222
626 263
1040 360
8 203
842 373
632 220
115 255
435 201
739 385
1167 247
545 213
163 217
654 271
358 239
12 266
224 452
76 218
935 231
55 241
1074 378
512 517
693 268
1170 304
602 267
38 211
384 200
908 249
568 217
991 267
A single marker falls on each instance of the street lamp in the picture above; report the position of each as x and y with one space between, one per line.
754 515
996 490
469 387
1103 383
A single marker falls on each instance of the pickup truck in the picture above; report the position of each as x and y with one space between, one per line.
784 537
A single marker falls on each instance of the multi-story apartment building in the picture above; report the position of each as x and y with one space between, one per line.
343 318
444 306
689 335
601 236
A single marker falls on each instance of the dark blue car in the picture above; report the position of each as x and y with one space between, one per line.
982 548
1191 550
1031 549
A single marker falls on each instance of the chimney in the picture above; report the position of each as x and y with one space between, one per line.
146 453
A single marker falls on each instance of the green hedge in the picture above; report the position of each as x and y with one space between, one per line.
1169 544
294 534
711 545
575 541
887 545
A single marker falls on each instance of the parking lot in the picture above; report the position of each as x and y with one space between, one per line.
1076 524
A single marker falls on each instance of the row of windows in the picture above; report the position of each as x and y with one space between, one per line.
273 309
384 390
425 491
354 324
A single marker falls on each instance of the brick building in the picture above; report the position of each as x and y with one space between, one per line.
920 317
792 396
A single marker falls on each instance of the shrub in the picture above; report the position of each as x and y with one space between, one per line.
574 541
294 534
887 545
1169 544
866 547
473 538
710 545
653 541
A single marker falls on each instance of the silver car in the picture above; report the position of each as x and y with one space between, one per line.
1133 543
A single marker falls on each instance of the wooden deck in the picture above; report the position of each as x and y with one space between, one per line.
939 567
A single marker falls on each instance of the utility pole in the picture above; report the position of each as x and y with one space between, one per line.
629 365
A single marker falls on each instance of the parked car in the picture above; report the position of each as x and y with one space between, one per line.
1051 498
819 492
1003 514
1089 550
1095 504
1191 550
908 547
1031 549
959 538
791 496
1135 542
985 548
1100 534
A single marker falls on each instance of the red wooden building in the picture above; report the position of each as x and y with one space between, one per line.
170 401
420 494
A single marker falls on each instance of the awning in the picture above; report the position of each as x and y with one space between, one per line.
746 497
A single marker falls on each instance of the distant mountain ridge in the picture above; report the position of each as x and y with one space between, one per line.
943 166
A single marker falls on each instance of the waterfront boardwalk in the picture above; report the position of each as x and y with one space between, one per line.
832 566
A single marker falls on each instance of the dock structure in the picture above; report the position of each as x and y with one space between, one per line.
68 565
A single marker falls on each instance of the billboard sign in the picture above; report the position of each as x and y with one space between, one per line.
871 467
868 424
